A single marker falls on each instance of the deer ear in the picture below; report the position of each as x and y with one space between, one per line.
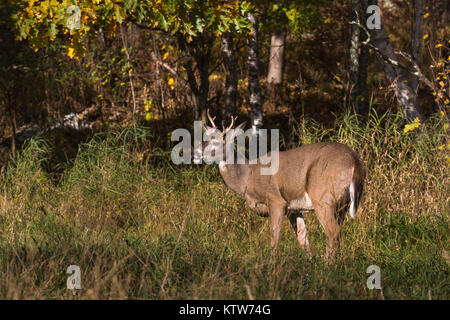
241 126
234 132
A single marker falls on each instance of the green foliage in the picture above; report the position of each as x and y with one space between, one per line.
293 16
41 22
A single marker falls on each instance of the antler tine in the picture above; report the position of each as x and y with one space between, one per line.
231 125
211 119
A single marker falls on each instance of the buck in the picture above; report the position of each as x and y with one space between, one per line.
325 177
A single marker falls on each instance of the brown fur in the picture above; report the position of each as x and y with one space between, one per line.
312 177
322 170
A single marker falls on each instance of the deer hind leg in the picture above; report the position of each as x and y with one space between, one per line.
299 226
277 211
327 217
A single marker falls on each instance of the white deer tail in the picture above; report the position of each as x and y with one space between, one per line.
356 187
353 205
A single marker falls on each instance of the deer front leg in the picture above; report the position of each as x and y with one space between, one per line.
299 226
276 211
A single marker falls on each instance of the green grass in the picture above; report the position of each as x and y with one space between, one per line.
141 227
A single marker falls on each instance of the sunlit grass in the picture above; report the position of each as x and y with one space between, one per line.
141 227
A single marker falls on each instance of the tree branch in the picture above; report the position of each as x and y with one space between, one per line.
418 72
169 68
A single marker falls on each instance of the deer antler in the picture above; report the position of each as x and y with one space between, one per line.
225 130
211 119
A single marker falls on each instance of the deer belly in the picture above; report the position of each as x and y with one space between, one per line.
303 204
261 209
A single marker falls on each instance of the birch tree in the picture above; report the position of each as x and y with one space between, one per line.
358 60
417 38
254 86
397 76
231 74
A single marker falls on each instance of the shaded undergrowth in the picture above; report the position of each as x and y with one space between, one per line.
141 227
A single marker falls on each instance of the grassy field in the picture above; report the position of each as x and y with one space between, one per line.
140 227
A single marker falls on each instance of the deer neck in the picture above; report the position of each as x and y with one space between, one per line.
235 176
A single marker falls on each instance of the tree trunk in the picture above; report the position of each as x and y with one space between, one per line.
417 38
12 121
203 68
276 59
198 50
362 77
398 77
253 75
358 60
355 97
231 82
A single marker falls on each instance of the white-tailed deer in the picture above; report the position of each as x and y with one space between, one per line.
324 177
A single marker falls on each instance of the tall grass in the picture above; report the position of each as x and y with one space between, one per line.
141 227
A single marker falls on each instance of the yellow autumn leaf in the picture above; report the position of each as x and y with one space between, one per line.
441 147
412 126
148 116
170 82
425 36
165 55
426 15
438 45
70 52
441 83
172 87
147 104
